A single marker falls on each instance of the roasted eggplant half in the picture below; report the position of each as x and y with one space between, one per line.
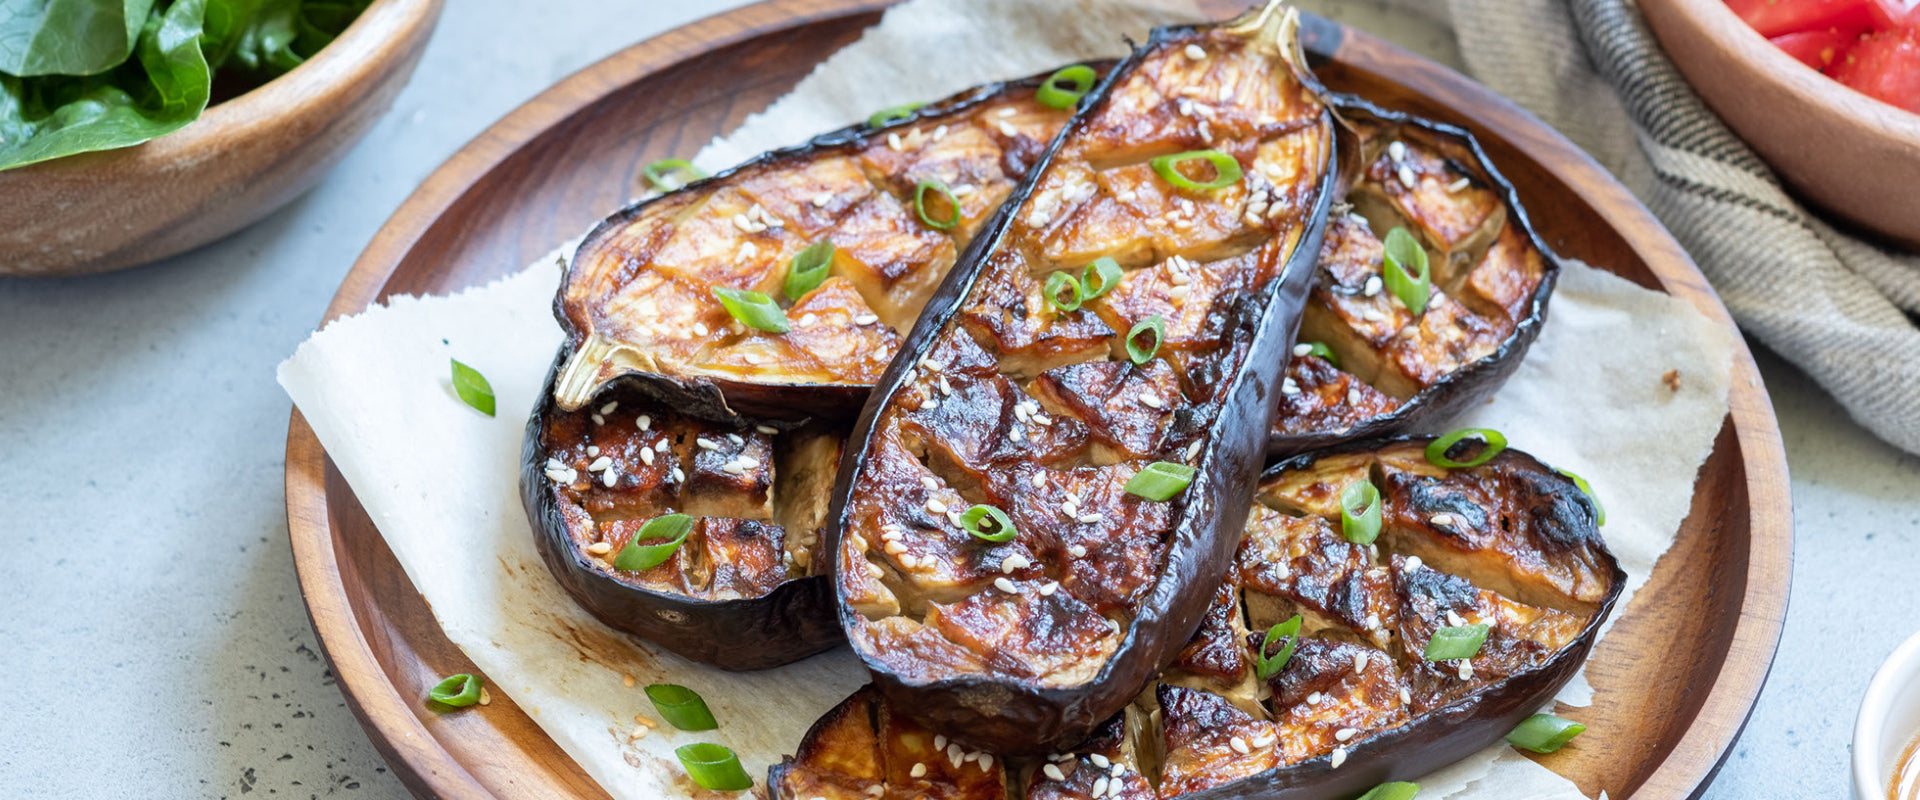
1366 363
1509 544
1064 447
894 202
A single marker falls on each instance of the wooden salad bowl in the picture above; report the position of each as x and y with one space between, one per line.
1675 679
240 161
1847 153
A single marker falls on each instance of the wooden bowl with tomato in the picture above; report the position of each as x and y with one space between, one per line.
1826 91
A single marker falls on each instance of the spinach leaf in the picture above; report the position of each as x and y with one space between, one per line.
68 37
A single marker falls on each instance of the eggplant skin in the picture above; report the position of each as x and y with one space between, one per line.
1015 716
793 621
1476 381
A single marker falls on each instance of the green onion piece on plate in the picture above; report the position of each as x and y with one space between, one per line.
1322 351
1267 666
714 767
1160 481
1398 790
1360 512
636 556
1100 277
1600 511
1064 88
459 691
888 116
1492 442
681 707
753 309
1226 171
1456 641
975 521
472 387
920 204
1141 353
808 270
1405 271
669 174
1063 292
1544 733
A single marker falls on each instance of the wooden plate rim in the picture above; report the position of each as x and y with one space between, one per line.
430 771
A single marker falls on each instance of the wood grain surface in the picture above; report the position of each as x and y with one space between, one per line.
1675 680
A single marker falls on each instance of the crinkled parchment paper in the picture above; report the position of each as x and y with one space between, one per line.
440 479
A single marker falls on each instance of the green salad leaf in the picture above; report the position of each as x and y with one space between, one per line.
68 37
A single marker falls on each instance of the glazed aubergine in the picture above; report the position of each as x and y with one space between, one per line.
884 206
1064 446
1367 363
1508 544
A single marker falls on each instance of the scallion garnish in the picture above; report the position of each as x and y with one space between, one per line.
681 707
1398 790
976 521
1142 353
753 309
920 204
472 387
1492 442
1544 733
636 556
1456 641
1064 88
1267 666
713 766
1063 292
1160 481
669 174
1600 511
1321 350
888 116
808 269
1360 512
459 691
1226 171
1100 277
1405 271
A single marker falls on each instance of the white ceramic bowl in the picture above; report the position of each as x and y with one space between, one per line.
1889 719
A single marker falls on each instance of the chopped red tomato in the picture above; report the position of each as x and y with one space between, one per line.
1817 49
1885 66
1779 17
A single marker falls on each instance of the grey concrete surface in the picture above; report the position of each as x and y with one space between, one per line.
152 638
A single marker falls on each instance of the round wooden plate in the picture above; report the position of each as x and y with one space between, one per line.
1676 679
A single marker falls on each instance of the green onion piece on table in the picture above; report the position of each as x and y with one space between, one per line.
459 691
1160 481
753 309
1064 88
1063 292
472 387
681 707
975 521
1600 511
888 116
1544 733
1492 442
1360 512
1138 352
636 556
714 767
808 270
1267 666
1226 171
1456 641
1405 271
669 174
1100 277
920 204
1398 790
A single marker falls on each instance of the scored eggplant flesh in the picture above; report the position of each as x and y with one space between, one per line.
1512 545
1390 369
1003 399
638 298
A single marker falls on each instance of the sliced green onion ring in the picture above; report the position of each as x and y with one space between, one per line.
669 174
1360 512
1266 667
1143 353
713 766
458 691
808 270
973 519
1226 171
472 387
753 309
681 707
636 556
1600 511
1064 88
888 116
920 204
1544 733
1160 481
1456 641
1398 790
1322 351
1100 277
1405 271
1492 443
1058 284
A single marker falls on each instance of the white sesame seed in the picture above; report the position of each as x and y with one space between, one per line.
554 463
874 570
643 422
1047 589
1413 563
1289 387
945 387
1442 520
735 438
1460 185
1007 112
592 450
661 446
1313 699
1264 740
927 363
939 741
1353 395
705 443
600 548
936 506
1373 286
1302 349
929 481
766 429
1406 176
1005 585
1193 450
748 462
1090 518
954 753
646 456
609 477
1117 770
1196 52
1373 622
1006 129
1406 697
893 141
1239 745
1345 734
608 408
1150 401
919 770
865 319
599 420
1039 480
563 476
807 319
1053 771
746 225
1099 786
1397 150
1466 670
822 199
930 404
985 760
732 468
876 790
700 329
1015 435
1077 551
679 475
1455 619
1014 562
1339 757
600 463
